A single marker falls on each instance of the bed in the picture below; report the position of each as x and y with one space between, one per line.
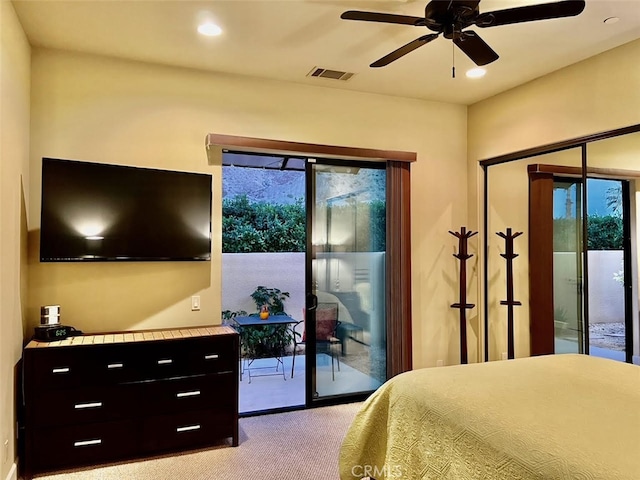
550 417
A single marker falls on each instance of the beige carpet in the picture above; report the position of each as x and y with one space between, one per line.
296 445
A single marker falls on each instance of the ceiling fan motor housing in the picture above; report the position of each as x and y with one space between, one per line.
450 16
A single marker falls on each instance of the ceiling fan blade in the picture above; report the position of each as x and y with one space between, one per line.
402 51
530 13
382 18
475 48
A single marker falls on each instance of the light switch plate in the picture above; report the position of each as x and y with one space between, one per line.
195 302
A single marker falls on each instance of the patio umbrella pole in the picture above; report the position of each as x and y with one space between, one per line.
462 255
509 302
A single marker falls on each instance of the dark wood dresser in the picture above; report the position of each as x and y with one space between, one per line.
100 398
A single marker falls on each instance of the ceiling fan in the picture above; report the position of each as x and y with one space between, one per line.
451 17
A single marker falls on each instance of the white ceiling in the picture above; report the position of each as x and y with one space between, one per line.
285 39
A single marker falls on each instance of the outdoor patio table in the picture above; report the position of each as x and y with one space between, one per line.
257 322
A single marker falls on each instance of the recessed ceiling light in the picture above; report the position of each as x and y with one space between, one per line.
476 73
611 20
209 29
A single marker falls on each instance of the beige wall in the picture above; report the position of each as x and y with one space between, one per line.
14 175
105 110
592 96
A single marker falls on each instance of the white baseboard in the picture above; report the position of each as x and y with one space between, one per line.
13 472
636 359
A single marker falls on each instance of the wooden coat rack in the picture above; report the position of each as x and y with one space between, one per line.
463 236
509 302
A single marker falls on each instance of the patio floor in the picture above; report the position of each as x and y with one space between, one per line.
272 390
568 346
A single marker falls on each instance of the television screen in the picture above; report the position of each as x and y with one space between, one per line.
101 212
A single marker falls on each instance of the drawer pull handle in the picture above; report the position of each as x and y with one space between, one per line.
193 393
213 356
165 361
61 370
85 443
88 405
188 428
115 365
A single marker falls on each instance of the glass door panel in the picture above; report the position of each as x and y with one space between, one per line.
567 266
616 158
345 313
606 264
508 205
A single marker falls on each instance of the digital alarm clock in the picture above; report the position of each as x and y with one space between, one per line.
50 333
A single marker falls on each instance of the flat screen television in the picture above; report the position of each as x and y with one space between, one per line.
101 212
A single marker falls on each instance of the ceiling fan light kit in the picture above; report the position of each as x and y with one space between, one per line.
209 29
477 72
450 18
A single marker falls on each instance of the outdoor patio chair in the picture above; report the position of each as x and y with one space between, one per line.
326 340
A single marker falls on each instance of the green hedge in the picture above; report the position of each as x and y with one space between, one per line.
250 227
604 233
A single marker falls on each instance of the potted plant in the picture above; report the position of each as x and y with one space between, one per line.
272 298
265 341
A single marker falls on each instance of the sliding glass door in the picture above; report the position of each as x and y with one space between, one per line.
345 320
567 266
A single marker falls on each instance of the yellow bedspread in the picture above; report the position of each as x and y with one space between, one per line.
551 417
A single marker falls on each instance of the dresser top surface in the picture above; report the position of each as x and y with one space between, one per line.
136 336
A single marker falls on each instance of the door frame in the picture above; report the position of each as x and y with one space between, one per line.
398 269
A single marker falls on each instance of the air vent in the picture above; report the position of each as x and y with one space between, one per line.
332 74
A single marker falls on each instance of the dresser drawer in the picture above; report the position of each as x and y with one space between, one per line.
214 355
199 392
83 444
172 358
56 368
113 364
163 359
61 368
189 429
80 405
